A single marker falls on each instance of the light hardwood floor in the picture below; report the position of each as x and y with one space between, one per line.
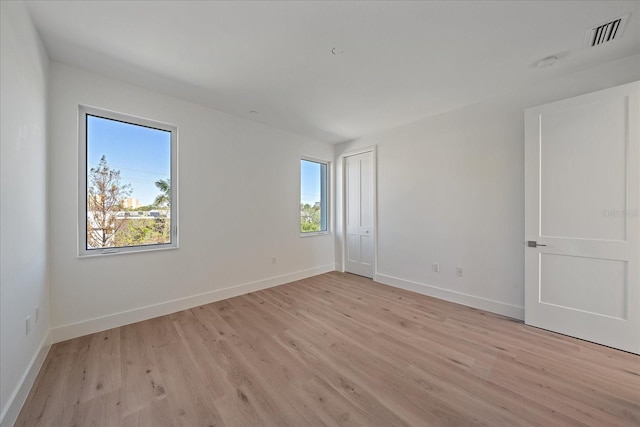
334 349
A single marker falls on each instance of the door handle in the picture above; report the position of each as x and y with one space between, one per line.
533 244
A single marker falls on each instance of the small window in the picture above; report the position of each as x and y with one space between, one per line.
313 196
128 197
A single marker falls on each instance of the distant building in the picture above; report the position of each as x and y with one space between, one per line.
131 203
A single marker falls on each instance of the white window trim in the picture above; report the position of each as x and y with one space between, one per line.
83 252
327 196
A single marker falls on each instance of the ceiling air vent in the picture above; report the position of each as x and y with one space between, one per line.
606 32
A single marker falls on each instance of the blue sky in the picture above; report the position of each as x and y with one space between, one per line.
310 182
142 155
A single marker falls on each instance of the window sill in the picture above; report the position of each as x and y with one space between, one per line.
316 233
122 251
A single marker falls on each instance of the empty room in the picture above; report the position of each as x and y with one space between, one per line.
320 213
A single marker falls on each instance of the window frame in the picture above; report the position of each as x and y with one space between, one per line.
327 209
83 112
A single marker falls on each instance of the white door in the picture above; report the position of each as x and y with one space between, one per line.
582 207
359 214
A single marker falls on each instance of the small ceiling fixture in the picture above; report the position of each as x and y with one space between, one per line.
253 112
547 62
337 51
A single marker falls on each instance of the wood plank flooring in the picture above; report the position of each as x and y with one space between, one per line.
333 350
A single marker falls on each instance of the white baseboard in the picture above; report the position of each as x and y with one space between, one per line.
14 405
90 326
498 307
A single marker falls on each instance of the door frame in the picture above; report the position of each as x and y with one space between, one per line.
374 197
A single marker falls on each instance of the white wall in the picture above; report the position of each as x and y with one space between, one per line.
451 191
23 207
238 207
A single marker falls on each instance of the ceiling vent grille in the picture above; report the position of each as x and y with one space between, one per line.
606 32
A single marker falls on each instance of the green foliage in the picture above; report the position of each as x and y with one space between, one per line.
136 232
164 198
307 227
309 218
143 208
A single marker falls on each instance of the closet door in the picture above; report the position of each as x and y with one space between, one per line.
359 215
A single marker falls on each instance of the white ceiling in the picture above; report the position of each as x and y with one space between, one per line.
401 61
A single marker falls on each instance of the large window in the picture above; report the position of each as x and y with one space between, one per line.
128 197
313 196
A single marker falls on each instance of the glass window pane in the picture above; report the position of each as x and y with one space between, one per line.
313 196
128 169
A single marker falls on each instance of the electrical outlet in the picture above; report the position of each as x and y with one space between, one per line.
435 267
273 260
37 314
27 325
460 271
